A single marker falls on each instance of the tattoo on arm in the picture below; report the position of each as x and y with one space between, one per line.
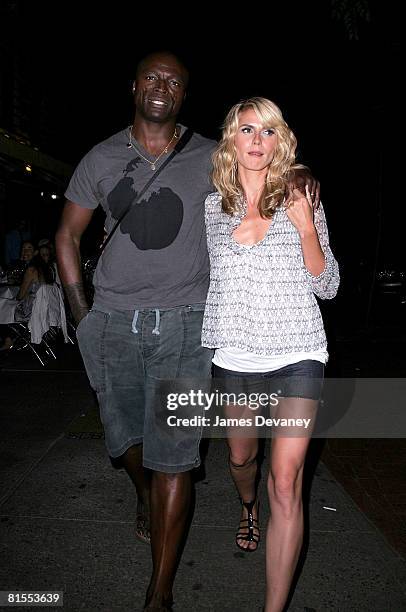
77 300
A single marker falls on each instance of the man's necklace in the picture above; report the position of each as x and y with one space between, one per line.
165 150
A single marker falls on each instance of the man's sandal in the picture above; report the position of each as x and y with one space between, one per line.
248 530
142 531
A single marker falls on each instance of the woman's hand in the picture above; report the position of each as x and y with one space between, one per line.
300 178
299 209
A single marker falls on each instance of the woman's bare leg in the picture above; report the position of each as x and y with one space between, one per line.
243 468
285 529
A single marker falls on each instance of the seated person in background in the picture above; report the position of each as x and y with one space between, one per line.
16 272
44 252
40 271
27 251
47 251
48 243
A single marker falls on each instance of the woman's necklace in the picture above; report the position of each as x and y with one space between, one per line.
165 150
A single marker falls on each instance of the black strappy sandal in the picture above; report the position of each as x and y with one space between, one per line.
248 529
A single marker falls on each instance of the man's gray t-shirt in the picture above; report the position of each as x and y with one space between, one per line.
157 258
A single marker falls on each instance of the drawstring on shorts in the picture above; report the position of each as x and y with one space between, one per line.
134 323
157 322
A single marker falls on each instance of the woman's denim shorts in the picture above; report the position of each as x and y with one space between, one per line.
303 379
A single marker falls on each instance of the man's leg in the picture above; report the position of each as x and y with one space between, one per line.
170 506
141 478
174 360
114 363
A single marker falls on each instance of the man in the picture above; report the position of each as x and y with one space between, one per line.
150 288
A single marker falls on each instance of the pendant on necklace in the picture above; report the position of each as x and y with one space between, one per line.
153 167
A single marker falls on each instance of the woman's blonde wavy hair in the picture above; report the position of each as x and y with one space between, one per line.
225 175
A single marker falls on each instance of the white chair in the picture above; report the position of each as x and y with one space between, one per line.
47 317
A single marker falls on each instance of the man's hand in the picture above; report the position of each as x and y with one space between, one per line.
299 178
75 220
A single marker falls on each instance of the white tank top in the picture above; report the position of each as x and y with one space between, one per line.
238 360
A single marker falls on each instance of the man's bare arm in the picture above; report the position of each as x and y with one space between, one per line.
74 221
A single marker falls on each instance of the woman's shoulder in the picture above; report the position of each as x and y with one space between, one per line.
213 202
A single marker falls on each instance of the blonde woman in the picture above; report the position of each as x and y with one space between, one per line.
269 256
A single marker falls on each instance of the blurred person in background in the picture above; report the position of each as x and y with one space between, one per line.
14 241
16 271
39 271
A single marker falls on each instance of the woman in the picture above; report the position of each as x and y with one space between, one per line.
269 255
27 251
16 273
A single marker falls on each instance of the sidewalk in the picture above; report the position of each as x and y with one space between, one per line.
67 521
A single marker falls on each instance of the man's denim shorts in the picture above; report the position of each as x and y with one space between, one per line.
128 357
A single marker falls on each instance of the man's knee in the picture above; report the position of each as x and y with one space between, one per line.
172 485
171 478
133 454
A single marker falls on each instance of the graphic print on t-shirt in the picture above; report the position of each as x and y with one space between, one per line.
152 223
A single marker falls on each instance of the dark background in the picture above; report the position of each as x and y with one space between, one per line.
334 68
